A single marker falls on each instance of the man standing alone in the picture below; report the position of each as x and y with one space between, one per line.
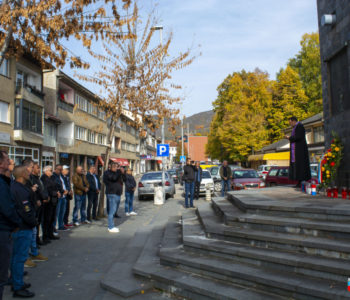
189 177
80 187
113 179
94 191
9 220
198 179
299 168
226 175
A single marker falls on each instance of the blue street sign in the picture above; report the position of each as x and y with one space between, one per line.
182 158
163 150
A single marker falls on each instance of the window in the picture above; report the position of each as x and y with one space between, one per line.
214 171
117 143
28 116
101 139
101 115
123 146
319 134
283 173
28 79
273 172
80 133
81 102
4 112
4 68
18 154
91 136
50 130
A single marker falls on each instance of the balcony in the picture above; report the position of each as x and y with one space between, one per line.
65 141
30 94
27 136
49 141
65 106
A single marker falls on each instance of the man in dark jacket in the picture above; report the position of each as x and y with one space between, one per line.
299 167
189 178
49 207
226 175
41 195
23 199
93 193
130 187
61 204
113 180
9 220
69 197
198 179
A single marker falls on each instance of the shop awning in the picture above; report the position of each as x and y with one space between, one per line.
122 161
269 156
277 156
100 159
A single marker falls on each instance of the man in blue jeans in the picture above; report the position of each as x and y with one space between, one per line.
113 179
61 205
23 199
81 187
226 175
189 178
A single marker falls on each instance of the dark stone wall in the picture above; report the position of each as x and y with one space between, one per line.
334 40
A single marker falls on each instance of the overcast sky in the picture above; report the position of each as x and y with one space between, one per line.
234 35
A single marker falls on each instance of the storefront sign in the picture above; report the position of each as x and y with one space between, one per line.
148 157
64 155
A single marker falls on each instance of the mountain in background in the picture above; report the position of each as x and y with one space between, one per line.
198 124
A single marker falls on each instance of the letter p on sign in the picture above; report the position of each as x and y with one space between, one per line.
163 150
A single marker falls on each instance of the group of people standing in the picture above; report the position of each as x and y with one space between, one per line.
34 208
192 177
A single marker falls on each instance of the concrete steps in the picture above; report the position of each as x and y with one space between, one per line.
271 239
278 282
319 228
255 202
195 241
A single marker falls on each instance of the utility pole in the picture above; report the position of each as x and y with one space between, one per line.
188 139
160 28
182 139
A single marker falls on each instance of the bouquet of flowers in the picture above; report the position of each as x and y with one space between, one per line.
330 162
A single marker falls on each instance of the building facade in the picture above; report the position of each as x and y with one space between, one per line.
334 29
21 109
195 146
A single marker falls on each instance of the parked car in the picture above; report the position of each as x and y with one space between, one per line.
207 182
246 179
173 174
215 174
263 170
152 179
280 176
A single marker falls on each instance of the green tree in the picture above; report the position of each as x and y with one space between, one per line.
239 125
308 64
288 100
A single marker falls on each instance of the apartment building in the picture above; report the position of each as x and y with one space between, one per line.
21 108
74 118
126 144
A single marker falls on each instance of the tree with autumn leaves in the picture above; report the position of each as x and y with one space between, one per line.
252 111
136 76
39 27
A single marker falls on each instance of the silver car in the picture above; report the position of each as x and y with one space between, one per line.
151 179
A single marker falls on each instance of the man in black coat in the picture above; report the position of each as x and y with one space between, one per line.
93 193
9 220
198 180
189 178
49 208
299 168
69 196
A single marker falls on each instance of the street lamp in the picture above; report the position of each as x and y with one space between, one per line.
160 28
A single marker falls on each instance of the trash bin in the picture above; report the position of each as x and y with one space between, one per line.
158 195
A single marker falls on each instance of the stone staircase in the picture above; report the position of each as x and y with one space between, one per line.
249 246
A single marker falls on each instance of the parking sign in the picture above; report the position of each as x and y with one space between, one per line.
182 158
163 150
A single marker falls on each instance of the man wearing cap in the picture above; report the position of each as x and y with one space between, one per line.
69 196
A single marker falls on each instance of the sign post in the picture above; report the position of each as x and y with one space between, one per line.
163 151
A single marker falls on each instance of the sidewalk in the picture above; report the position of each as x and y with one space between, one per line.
79 260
